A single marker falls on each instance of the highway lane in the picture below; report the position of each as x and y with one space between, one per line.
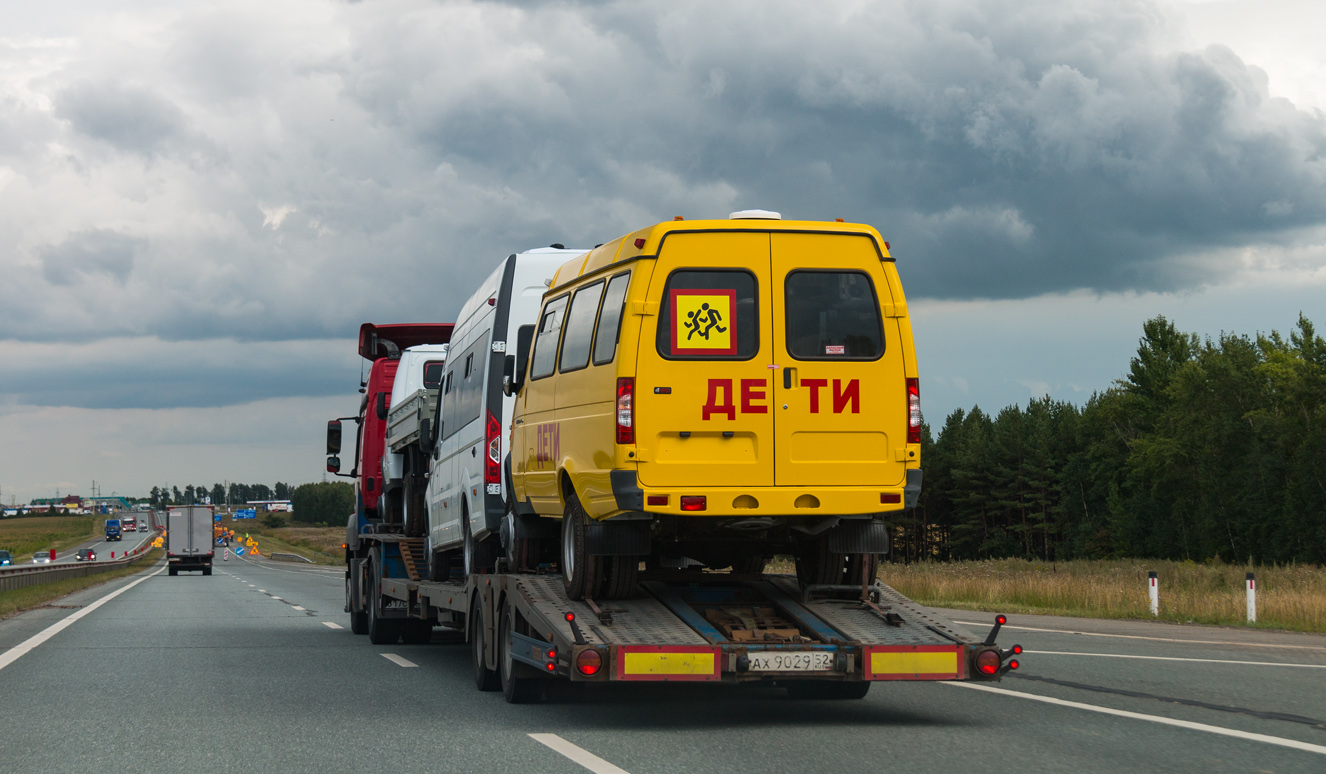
240 672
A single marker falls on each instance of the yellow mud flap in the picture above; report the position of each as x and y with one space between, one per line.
667 662
914 662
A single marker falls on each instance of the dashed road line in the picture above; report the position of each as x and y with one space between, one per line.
1218 730
331 625
399 660
296 607
577 754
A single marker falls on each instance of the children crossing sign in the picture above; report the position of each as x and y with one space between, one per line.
704 322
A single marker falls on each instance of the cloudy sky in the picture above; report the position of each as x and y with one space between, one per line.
201 201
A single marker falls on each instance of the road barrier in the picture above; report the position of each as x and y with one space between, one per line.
38 574
1153 590
290 558
1252 598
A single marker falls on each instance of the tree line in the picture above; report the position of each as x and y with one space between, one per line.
1207 449
219 494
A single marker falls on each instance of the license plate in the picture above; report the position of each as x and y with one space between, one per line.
791 661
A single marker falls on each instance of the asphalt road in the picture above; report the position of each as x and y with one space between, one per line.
250 670
128 542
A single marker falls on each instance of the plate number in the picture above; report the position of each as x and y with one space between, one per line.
791 661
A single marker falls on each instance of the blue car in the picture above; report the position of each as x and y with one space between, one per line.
6 558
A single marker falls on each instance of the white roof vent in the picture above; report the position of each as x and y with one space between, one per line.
755 215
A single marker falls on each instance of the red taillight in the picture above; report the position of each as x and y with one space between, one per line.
1013 664
492 469
693 502
658 500
987 662
589 662
625 410
1001 620
1017 650
890 497
913 411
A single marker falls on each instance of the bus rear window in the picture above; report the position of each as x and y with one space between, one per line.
832 315
709 315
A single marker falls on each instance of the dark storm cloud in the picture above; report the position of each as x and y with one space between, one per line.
131 118
374 161
90 253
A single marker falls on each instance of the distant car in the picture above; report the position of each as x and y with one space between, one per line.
6 558
41 557
86 555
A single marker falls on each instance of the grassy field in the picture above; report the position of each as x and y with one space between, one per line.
24 536
321 544
1288 597
16 601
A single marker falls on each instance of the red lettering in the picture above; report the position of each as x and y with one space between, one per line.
814 386
753 390
842 395
711 404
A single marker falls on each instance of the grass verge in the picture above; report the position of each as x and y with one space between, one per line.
1288 597
16 601
23 537
321 544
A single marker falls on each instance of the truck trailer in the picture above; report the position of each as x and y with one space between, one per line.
189 544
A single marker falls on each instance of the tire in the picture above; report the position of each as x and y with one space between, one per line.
855 562
416 632
580 572
207 571
173 572
485 679
750 565
516 688
358 618
619 576
479 556
827 690
818 566
439 566
381 631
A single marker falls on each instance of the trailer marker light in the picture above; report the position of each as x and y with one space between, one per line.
589 662
551 667
1001 620
694 502
640 242
658 499
1017 651
552 655
570 617
1013 664
987 662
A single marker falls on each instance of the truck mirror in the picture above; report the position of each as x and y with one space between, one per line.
509 375
334 437
333 464
426 436
524 337
382 405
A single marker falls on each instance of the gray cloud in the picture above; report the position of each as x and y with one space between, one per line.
370 164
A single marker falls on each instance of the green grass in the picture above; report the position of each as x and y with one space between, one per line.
15 601
23 537
320 544
1288 597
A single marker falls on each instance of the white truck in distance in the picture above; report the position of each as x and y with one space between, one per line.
189 539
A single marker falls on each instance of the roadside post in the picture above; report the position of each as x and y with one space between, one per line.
1252 598
1153 590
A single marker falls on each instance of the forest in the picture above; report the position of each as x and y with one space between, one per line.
1205 450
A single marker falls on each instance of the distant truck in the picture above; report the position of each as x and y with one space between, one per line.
128 524
189 539
112 529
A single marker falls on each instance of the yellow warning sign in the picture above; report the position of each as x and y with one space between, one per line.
704 322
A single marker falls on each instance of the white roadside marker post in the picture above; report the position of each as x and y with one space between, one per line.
1153 590
1252 598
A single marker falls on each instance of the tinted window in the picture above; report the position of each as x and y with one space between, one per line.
610 319
832 315
432 374
545 340
580 327
464 401
709 315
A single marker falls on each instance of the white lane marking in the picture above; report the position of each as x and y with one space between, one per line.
252 586
1219 730
296 607
398 660
1173 658
1154 639
16 652
578 754
331 625
278 599
262 591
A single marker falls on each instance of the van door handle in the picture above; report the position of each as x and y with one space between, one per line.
787 378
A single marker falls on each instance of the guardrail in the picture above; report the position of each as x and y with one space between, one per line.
282 557
15 577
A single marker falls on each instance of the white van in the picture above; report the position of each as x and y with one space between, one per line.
404 466
467 485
